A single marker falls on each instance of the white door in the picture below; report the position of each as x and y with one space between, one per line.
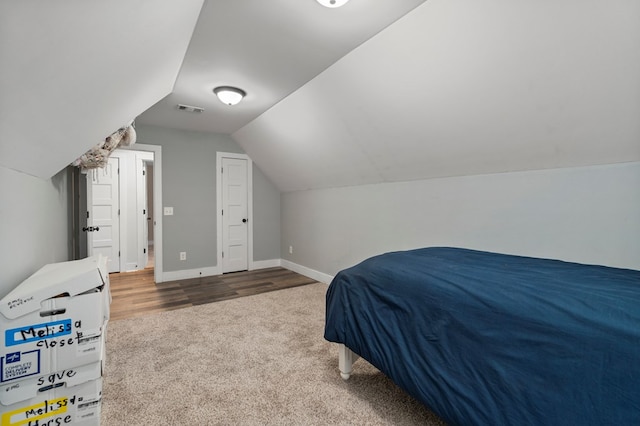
234 215
103 216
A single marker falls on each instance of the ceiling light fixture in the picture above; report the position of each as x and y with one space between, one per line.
333 3
229 95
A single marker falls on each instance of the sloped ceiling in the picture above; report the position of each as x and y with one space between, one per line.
461 87
439 88
72 72
269 49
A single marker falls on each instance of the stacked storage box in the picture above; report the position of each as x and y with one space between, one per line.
53 344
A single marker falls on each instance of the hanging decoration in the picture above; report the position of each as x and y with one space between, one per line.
98 156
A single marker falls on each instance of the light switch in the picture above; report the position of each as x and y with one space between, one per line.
168 211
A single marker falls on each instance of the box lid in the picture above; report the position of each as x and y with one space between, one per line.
72 278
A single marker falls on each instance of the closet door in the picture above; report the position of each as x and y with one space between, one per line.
235 215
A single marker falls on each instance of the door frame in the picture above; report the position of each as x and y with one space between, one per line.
141 204
157 204
219 230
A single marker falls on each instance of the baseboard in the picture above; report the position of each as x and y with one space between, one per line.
186 274
130 267
264 264
307 272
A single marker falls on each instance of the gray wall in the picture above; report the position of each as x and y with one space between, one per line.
189 186
588 215
266 217
34 225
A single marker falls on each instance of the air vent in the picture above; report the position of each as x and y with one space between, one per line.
189 108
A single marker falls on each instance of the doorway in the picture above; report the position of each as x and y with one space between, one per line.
149 214
154 203
138 223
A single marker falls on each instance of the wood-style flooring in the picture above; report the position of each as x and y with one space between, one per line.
135 293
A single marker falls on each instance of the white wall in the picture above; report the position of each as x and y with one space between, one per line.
34 225
588 215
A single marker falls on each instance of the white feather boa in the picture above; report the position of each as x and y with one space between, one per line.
98 156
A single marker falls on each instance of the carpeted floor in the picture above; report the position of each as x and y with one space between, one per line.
257 360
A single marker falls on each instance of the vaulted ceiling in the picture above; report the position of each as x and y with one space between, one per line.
72 72
269 49
464 87
375 91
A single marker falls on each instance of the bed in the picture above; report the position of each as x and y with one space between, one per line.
493 339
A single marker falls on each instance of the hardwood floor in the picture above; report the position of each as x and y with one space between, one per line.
135 294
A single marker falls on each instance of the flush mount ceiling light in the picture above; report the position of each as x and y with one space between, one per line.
229 95
332 3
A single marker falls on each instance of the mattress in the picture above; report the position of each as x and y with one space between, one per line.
486 338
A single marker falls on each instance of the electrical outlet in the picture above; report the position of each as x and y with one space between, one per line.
168 211
183 255
290 249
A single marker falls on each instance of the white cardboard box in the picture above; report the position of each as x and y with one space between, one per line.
61 405
70 278
31 387
54 320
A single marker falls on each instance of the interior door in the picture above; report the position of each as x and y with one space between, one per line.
235 253
103 215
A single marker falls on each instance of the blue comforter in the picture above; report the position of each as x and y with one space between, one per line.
491 339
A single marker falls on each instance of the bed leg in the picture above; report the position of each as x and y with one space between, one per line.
346 358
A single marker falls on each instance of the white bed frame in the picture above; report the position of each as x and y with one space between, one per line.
346 358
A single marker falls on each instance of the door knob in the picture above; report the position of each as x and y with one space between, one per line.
244 220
